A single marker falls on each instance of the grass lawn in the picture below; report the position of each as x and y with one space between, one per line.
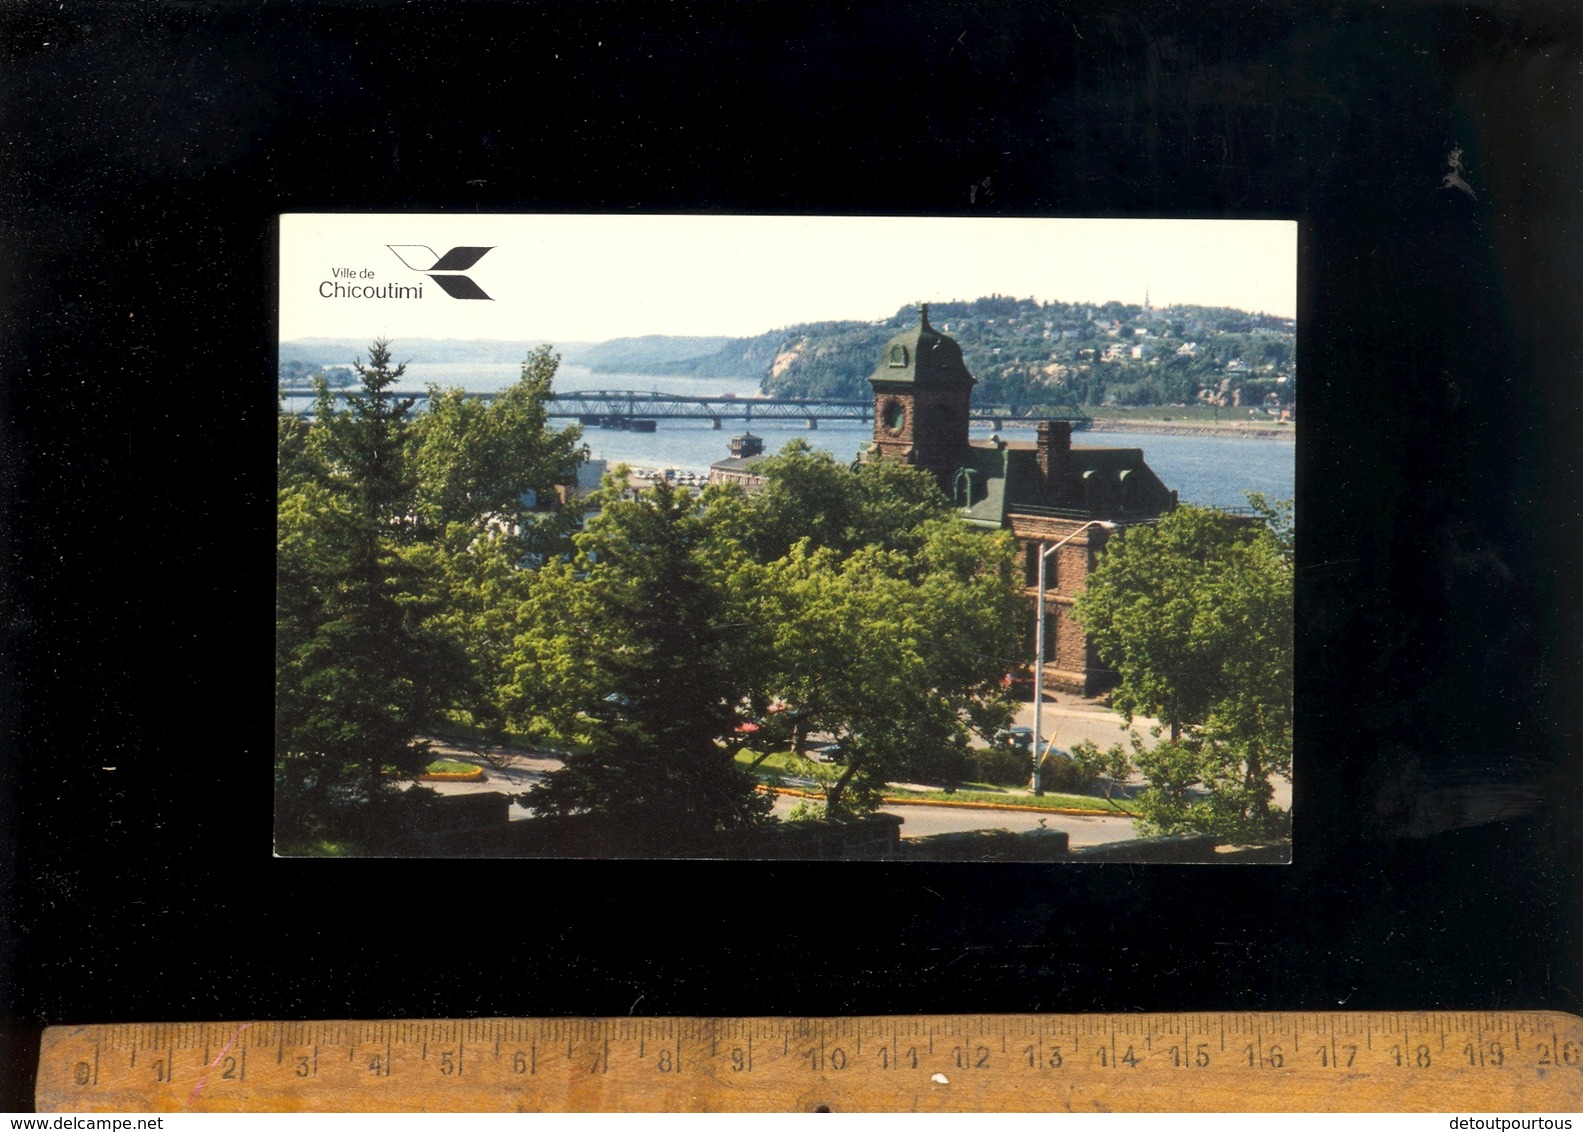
776 763
449 766
994 795
321 849
777 766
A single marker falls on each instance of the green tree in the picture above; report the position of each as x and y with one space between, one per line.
401 541
476 464
361 447
884 622
484 479
549 675
659 754
361 668
807 494
870 613
1195 615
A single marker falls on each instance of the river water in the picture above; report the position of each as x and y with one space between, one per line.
1213 471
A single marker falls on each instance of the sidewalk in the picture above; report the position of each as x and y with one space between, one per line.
1070 719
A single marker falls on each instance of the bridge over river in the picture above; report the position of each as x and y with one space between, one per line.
640 411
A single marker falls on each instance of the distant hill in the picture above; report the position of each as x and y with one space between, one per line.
642 354
842 356
1022 351
343 351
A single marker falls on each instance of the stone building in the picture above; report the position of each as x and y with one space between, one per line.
1042 491
747 451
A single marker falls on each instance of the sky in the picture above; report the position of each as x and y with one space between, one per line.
591 278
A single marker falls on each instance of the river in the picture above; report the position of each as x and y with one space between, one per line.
1213 471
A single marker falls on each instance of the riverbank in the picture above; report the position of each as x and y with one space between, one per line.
1190 428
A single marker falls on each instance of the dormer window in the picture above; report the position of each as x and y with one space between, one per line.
898 356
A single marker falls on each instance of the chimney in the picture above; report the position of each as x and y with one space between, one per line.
1055 450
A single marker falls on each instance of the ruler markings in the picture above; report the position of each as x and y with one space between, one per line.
1035 1053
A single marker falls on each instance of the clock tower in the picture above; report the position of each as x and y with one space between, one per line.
922 391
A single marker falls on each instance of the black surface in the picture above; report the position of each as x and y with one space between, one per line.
150 148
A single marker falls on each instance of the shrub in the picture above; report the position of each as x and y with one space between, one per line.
944 767
1059 773
1001 766
450 766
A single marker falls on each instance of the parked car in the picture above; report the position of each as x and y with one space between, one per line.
1017 738
827 753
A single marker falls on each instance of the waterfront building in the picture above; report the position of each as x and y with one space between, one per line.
1042 491
746 451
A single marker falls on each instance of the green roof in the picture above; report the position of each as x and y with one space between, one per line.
993 481
982 480
922 356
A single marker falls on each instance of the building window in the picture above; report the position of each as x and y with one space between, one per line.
898 356
1093 491
895 415
1052 567
964 491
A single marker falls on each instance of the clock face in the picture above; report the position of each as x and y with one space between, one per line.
895 416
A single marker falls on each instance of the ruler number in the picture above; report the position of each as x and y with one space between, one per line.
1052 1062
1275 1059
1199 1059
978 1059
83 1073
1126 1058
885 1061
1482 1056
1417 1058
663 1063
519 1063
818 1059
1560 1053
739 1060
1329 1059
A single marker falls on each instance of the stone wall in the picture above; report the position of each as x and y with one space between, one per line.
874 838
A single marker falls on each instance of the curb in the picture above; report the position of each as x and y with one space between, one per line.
900 800
454 776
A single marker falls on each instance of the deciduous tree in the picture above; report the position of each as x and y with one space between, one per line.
476 464
1195 615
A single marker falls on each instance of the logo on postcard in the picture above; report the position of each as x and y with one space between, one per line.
446 270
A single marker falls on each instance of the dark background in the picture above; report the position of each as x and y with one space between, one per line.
147 150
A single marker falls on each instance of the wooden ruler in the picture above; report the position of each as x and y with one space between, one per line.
1227 1062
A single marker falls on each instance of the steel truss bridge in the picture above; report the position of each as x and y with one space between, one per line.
626 408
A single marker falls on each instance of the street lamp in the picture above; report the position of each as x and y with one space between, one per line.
1038 669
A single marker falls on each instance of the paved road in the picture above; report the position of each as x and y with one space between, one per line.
921 821
925 821
1071 719
520 773
1067 720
